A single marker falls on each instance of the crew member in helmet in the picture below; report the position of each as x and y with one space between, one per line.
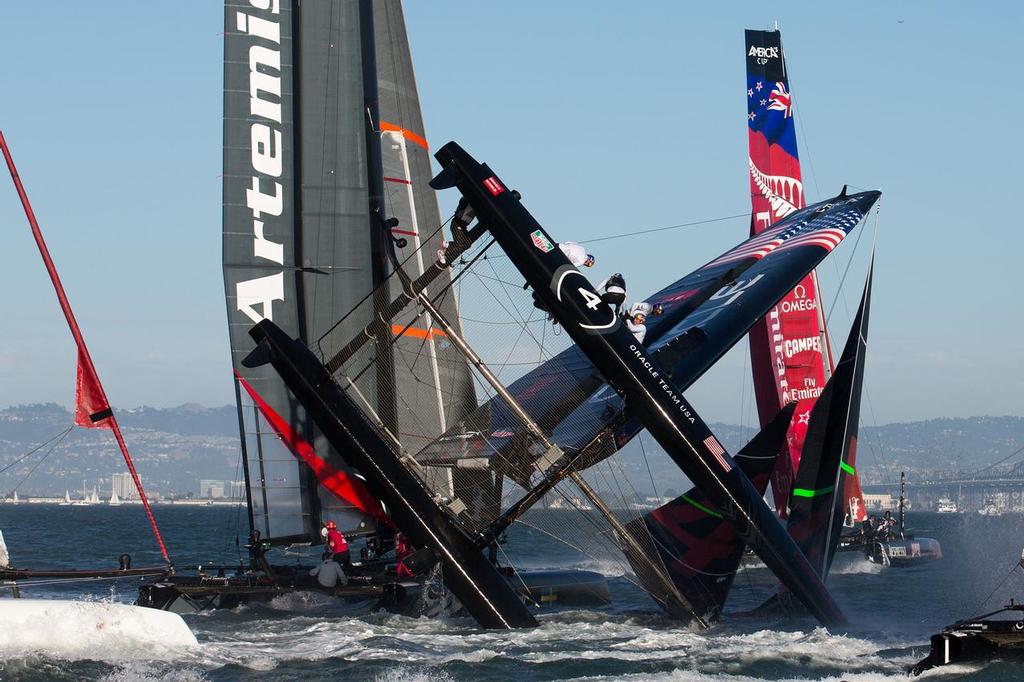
648 309
577 255
402 552
636 323
337 544
613 291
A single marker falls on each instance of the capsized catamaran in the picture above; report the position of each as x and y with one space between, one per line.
791 354
305 242
326 190
635 373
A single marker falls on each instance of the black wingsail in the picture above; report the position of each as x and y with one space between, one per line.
816 500
477 583
628 366
323 140
700 548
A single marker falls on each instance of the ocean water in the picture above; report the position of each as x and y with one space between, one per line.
306 636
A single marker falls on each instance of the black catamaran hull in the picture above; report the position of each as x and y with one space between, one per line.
485 594
977 639
193 593
654 398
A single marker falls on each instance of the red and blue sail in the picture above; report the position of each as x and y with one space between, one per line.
790 354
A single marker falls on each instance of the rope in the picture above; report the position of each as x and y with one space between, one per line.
849 262
1001 583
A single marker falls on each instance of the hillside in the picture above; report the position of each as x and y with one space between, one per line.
176 447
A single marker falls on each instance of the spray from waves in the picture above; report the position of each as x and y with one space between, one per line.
413 675
856 564
139 671
391 647
698 676
609 568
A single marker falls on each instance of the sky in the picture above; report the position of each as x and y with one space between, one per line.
607 117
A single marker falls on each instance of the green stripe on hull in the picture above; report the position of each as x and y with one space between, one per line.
700 506
847 468
804 492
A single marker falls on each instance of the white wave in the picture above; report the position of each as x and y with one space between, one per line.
145 671
90 630
413 675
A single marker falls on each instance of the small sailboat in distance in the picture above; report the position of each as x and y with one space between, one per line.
115 501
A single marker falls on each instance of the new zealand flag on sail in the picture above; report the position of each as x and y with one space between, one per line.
769 103
776 187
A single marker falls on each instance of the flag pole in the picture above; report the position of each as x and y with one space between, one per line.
99 407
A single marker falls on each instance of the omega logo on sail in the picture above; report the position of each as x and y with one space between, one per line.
265 197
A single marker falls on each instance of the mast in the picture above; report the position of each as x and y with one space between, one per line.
903 492
92 407
245 461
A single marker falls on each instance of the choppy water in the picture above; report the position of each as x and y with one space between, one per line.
305 636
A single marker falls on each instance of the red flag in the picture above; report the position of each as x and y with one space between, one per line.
91 408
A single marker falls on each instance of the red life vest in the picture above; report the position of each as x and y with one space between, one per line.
336 541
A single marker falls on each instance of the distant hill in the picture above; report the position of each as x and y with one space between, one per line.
176 447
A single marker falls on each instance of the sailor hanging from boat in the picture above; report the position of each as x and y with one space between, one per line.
577 255
464 215
613 291
579 258
636 318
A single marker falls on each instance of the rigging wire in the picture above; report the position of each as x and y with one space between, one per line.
849 262
695 223
49 452
37 448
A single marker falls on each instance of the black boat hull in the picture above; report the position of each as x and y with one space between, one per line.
190 594
975 641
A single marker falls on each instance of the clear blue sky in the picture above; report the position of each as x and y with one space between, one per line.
608 117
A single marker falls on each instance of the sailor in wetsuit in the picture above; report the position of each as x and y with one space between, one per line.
329 573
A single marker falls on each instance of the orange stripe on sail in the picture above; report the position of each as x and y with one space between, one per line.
416 332
409 135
